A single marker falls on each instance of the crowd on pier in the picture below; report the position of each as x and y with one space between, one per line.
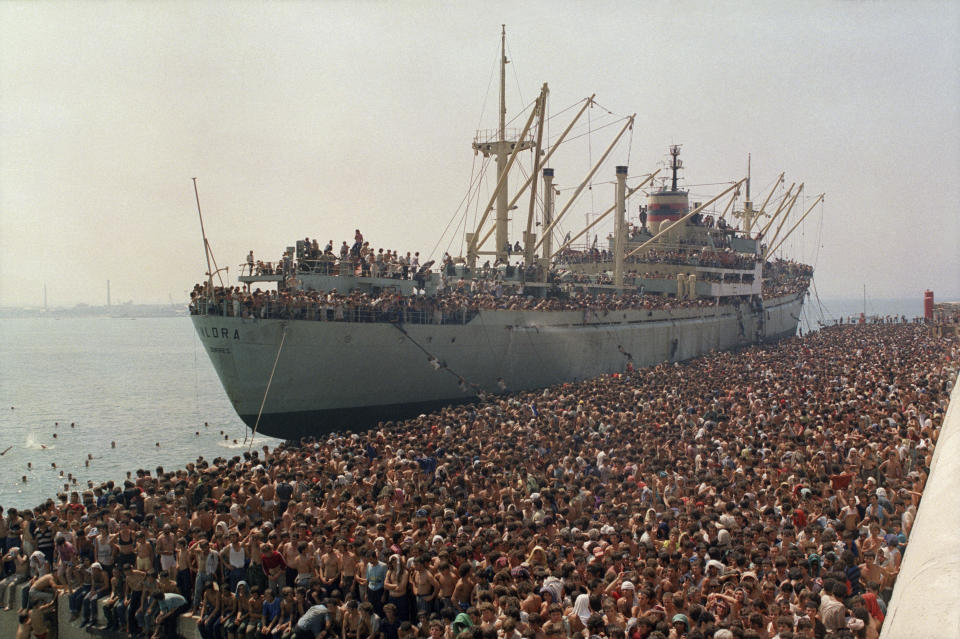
763 494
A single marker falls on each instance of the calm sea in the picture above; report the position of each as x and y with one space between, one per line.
136 382
830 309
139 383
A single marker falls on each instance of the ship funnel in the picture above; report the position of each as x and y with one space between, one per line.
668 204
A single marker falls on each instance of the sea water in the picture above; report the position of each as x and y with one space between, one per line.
71 387
831 310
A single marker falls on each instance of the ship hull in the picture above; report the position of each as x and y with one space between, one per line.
327 376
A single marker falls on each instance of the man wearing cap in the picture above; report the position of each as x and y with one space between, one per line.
679 626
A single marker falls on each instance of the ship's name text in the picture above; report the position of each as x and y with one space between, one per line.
220 333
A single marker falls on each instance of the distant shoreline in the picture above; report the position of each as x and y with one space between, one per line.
117 311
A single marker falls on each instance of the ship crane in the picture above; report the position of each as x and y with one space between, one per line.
783 201
786 214
793 228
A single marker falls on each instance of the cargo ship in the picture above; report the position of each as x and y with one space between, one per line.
324 340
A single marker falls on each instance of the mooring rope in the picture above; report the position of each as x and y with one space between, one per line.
283 338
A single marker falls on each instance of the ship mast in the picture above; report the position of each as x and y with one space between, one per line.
748 215
502 220
502 148
675 165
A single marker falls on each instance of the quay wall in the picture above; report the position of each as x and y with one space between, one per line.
64 629
925 603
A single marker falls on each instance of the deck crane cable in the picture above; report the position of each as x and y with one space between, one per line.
539 196
483 110
816 256
522 112
486 96
599 128
606 109
465 203
559 113
283 338
804 319
474 176
824 311
590 153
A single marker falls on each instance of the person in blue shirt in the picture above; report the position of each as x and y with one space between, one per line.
169 606
374 576
271 612
312 622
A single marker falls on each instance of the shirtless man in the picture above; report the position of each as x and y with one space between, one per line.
255 573
329 567
870 570
463 591
255 612
252 503
303 562
23 625
348 568
447 577
38 619
45 588
128 605
184 567
144 552
425 585
167 549
268 496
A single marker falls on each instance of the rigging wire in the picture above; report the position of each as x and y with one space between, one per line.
523 111
516 78
607 110
824 311
816 256
486 96
590 151
559 113
588 133
464 202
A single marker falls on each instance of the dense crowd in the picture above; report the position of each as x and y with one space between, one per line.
456 304
762 494
457 300
690 257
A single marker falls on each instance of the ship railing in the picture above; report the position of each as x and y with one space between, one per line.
333 313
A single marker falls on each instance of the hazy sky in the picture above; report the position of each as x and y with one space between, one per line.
312 119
